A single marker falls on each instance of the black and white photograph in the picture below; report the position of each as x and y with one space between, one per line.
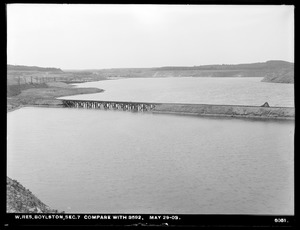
149 113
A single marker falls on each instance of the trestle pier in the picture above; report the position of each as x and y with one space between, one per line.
110 105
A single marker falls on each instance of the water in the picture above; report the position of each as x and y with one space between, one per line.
91 161
202 90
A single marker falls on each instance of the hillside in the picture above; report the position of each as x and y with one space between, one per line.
32 68
21 200
32 85
250 66
281 76
271 71
29 75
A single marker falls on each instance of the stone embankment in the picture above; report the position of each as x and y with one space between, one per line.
286 113
21 200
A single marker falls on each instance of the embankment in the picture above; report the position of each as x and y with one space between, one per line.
21 200
286 113
241 111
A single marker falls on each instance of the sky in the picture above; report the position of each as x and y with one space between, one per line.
89 36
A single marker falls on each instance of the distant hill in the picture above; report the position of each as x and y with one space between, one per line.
32 68
271 71
29 75
285 74
251 66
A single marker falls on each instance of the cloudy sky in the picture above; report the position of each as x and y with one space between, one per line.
116 36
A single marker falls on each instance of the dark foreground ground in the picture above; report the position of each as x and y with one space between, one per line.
21 200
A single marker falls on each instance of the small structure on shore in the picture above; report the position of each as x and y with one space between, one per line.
266 104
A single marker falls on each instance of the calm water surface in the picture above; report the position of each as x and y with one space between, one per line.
91 161
202 90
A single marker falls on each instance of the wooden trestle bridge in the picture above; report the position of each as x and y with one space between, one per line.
109 105
190 109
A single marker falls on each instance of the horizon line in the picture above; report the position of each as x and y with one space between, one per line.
166 66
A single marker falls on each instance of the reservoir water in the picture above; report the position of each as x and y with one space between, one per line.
201 90
93 161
